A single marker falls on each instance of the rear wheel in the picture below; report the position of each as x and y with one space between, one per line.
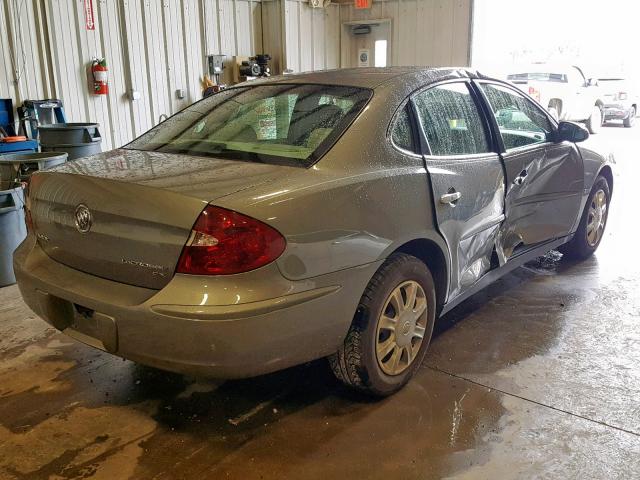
391 331
631 119
592 224
594 122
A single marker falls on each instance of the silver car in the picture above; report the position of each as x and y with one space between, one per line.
333 214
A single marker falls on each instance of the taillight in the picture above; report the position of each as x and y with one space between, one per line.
535 93
224 242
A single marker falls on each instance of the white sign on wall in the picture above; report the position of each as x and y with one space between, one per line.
363 57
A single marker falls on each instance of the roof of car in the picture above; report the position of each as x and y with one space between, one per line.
369 77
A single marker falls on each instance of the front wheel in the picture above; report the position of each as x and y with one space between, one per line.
631 119
391 331
594 122
592 224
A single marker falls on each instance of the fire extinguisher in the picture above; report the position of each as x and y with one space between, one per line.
99 72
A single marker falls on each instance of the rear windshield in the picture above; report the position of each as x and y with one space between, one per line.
281 124
538 77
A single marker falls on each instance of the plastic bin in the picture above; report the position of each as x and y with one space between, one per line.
13 230
76 139
20 166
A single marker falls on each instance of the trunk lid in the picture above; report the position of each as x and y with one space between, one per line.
137 208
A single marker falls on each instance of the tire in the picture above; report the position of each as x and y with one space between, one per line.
595 121
357 363
631 119
582 245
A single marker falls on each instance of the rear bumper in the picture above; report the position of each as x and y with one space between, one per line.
225 341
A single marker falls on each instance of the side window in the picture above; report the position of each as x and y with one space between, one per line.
451 120
402 134
520 121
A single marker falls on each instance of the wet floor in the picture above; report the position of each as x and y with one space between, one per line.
537 377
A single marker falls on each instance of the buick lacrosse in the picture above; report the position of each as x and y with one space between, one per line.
333 214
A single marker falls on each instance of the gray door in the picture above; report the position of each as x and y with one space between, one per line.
544 179
467 180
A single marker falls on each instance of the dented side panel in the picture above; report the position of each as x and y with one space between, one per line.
544 191
470 225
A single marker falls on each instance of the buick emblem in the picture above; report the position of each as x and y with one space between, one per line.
84 220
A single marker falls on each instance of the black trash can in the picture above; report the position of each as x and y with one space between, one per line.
76 139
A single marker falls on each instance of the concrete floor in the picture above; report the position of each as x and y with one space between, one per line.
537 377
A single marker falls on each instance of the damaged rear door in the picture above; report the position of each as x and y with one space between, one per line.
467 179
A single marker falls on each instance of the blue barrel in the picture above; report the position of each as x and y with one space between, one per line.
13 230
76 139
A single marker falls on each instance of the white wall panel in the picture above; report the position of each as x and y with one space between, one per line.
272 20
119 126
157 47
69 68
142 110
332 37
154 47
26 47
226 14
160 98
305 50
423 32
193 51
174 43
7 86
292 35
312 36
318 34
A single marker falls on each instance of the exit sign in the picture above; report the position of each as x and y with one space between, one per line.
361 4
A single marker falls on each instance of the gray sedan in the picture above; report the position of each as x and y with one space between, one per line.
331 214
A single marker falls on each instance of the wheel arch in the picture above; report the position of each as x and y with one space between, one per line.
433 256
607 173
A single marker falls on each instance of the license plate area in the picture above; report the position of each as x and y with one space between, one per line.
93 328
80 322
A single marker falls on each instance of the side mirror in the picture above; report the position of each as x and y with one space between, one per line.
592 82
571 132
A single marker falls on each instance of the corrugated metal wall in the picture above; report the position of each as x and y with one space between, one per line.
155 47
424 32
313 36
158 47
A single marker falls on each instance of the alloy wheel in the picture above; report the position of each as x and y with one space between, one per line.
401 327
597 218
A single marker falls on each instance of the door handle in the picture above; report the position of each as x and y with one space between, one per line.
450 198
519 180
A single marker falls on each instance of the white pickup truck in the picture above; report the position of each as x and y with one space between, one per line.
564 90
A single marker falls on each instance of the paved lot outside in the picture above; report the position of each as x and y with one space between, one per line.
536 377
